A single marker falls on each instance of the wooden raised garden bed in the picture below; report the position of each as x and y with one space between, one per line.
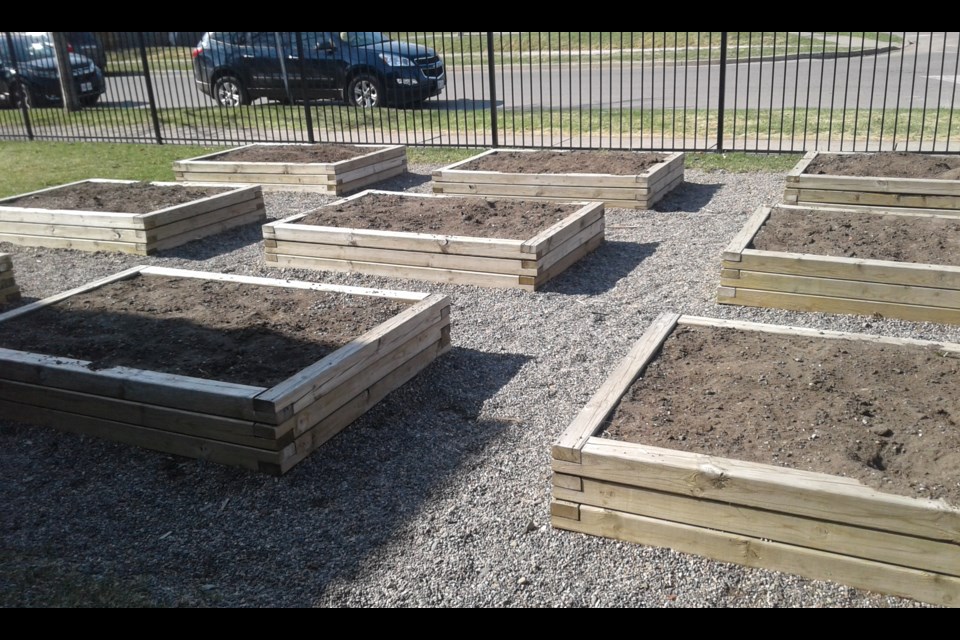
9 291
222 371
572 231
599 176
78 223
693 497
875 180
301 167
903 281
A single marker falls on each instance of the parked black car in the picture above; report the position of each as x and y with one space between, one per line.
361 68
87 43
35 81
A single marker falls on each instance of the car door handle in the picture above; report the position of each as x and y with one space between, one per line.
248 56
293 57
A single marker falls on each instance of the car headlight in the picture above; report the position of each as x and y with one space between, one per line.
393 60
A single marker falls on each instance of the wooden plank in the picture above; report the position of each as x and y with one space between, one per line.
377 154
407 297
860 269
179 212
454 190
780 489
250 178
378 168
565 510
315 407
192 423
862 574
6 201
9 294
880 184
278 401
558 233
153 439
656 197
447 276
241 210
873 199
664 178
570 443
73 243
744 237
196 233
845 289
401 259
574 193
136 385
900 212
571 483
801 166
569 259
823 304
823 535
457 165
571 245
359 405
360 183
13 215
625 181
7 280
289 230
68 231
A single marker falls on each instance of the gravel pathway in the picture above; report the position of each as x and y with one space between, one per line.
439 496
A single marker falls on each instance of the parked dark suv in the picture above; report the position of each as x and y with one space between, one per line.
35 80
362 68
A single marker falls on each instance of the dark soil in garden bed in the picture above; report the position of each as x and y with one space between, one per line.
854 234
139 197
621 163
232 332
883 414
473 217
888 164
303 154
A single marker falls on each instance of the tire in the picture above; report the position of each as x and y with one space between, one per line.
229 92
365 91
89 101
21 95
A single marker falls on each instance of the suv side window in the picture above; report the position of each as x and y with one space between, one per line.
312 41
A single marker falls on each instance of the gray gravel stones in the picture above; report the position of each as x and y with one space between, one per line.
439 496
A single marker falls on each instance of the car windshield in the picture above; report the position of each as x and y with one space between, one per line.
30 46
363 38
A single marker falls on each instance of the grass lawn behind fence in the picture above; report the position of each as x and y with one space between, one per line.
28 166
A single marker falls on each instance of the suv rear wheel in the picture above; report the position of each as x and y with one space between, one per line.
228 92
364 91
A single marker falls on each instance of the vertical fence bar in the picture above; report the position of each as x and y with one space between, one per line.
24 110
493 90
148 81
308 116
722 90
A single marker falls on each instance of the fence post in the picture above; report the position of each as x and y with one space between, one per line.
24 111
146 76
723 90
493 88
303 86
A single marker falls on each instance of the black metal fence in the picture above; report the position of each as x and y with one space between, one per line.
722 91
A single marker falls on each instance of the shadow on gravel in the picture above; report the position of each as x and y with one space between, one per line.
403 182
217 244
184 532
600 271
688 197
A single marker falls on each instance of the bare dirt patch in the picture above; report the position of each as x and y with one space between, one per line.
475 217
891 164
621 163
854 234
138 197
305 154
882 414
233 332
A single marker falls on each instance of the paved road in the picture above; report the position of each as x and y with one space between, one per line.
922 72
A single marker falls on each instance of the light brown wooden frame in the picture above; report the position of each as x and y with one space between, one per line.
639 191
815 525
9 291
831 284
868 191
488 262
137 233
337 178
264 429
